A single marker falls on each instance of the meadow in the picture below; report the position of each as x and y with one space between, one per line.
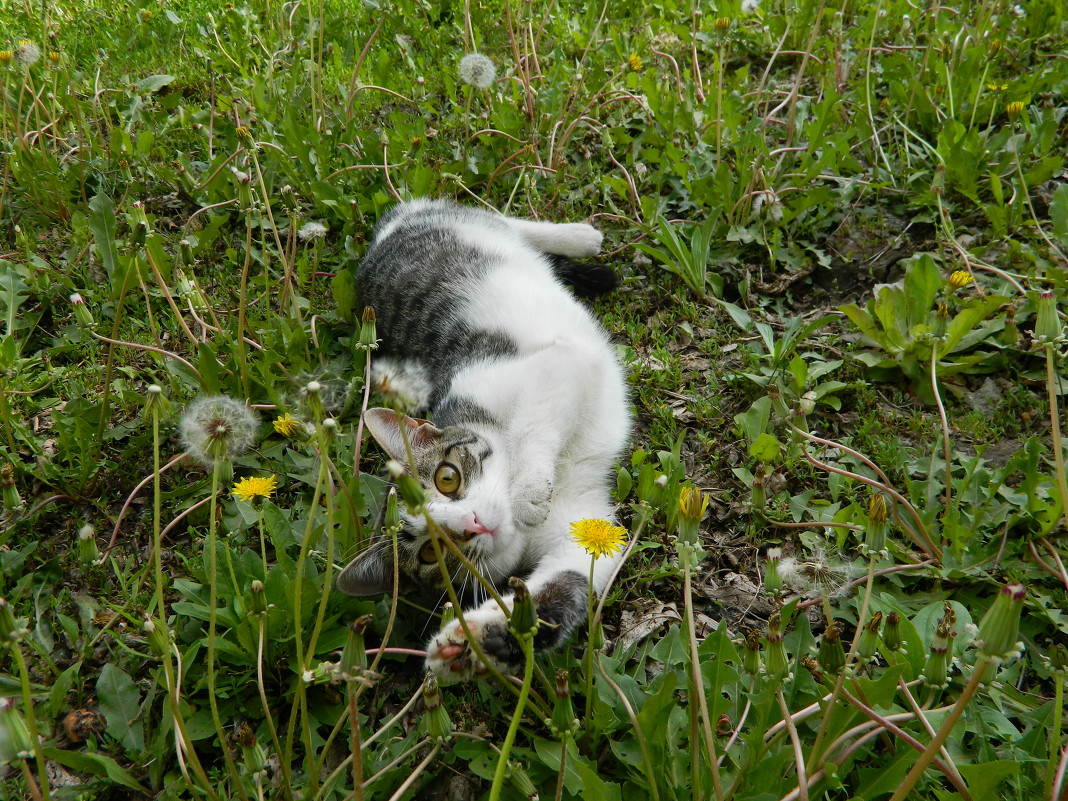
840 229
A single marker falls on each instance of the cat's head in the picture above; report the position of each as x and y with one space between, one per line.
464 475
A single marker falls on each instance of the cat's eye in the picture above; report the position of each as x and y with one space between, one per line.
426 553
447 479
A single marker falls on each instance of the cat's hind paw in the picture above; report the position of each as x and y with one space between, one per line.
452 658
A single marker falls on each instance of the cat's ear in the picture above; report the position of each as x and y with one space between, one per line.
371 573
385 427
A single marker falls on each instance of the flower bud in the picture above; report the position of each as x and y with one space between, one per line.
354 655
10 630
157 640
936 670
563 723
692 506
831 656
258 606
524 619
12 499
751 656
759 498
15 742
368 332
938 182
87 550
772 579
960 278
892 632
1048 328
875 531
438 724
82 315
520 779
868 642
776 663
448 614
391 519
1000 627
1058 658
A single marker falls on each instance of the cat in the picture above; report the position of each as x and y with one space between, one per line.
529 412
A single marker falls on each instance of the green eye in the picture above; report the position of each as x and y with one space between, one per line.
426 553
447 479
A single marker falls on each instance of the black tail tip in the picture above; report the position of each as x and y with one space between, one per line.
587 279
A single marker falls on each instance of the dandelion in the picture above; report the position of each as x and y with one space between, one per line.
1014 109
750 6
53 56
216 428
477 70
287 426
960 278
253 487
6 56
996 87
311 231
722 23
27 53
598 537
634 63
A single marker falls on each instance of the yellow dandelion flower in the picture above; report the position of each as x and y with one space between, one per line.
287 426
6 56
960 278
253 487
598 537
1014 109
722 23
634 63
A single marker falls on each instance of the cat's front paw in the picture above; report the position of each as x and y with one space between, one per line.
452 658
530 506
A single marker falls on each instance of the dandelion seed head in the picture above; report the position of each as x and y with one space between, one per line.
750 6
477 70
217 428
311 231
27 53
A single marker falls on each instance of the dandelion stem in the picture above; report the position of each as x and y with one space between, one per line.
526 642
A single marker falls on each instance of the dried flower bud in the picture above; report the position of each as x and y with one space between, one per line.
892 632
1048 329
868 642
875 531
1058 658
776 663
772 579
435 716
12 499
524 619
368 333
832 656
563 723
1000 627
354 655
936 670
751 656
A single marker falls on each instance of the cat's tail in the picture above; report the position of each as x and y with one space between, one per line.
562 242
587 280
573 240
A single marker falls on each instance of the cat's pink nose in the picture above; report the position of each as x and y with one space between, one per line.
473 526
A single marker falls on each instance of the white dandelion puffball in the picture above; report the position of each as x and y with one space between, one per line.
750 6
477 70
311 230
217 428
27 53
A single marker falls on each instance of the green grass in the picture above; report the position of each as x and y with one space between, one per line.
757 175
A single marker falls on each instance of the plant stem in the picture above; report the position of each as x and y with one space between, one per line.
698 687
526 642
1055 734
1055 426
954 715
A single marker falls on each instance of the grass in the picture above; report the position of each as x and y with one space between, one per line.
204 179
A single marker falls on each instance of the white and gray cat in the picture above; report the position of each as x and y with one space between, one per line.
528 406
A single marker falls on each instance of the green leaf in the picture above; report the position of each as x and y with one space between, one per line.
153 83
12 293
102 224
983 780
96 764
1058 213
765 447
120 703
